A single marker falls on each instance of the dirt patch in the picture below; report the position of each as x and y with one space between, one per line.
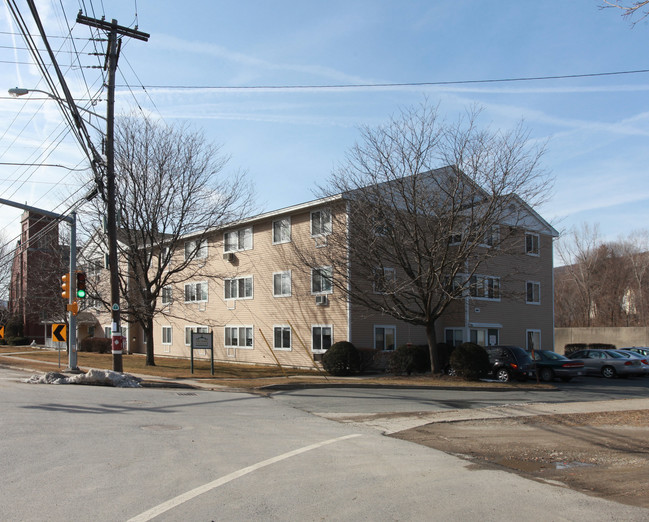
602 454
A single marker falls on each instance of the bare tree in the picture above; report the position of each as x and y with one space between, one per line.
413 235
629 9
170 187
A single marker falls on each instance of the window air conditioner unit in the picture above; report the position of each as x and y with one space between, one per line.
321 300
230 257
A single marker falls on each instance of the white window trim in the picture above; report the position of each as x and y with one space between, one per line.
456 329
494 234
536 283
385 326
252 285
202 246
290 283
283 326
194 328
527 332
330 326
272 233
162 295
196 300
321 210
392 279
171 338
238 249
538 244
322 292
482 278
237 326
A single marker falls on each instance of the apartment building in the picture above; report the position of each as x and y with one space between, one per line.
264 305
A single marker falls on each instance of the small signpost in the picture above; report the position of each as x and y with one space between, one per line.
202 341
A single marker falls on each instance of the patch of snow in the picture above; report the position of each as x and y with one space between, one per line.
93 377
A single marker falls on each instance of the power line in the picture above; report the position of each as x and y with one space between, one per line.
397 84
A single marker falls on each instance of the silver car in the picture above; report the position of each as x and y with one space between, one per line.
635 355
608 363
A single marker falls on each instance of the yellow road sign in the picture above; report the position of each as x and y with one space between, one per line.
59 332
2 332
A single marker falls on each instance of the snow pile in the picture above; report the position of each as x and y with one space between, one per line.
93 377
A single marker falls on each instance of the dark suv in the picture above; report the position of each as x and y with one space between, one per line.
509 362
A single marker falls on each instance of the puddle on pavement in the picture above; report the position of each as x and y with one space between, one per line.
534 466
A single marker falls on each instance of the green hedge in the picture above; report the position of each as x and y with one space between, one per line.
410 358
470 361
342 359
95 344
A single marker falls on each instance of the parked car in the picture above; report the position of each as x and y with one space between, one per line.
550 365
637 349
509 362
635 355
608 363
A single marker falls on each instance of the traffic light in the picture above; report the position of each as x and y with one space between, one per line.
81 285
65 286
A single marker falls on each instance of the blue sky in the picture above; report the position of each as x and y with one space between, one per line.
288 140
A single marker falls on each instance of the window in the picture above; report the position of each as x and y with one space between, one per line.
454 336
196 249
190 329
238 336
531 244
166 335
321 338
485 287
321 222
237 240
196 292
533 294
492 237
282 230
533 340
384 279
282 284
455 238
166 295
238 288
484 336
282 335
321 279
385 337
107 332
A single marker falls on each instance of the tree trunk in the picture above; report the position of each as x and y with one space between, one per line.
148 332
435 364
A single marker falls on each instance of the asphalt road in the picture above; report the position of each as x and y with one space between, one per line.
96 453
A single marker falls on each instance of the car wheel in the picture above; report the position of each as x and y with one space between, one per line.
450 371
546 374
608 372
502 374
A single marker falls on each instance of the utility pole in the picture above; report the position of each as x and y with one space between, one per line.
114 45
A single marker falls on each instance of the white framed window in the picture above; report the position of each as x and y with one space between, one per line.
167 335
321 337
107 332
238 288
455 238
533 292
196 248
238 337
196 292
237 240
282 337
282 284
282 230
384 279
321 222
454 336
385 337
533 340
492 236
532 244
197 329
485 287
321 280
167 294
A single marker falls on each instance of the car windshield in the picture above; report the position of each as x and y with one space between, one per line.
521 354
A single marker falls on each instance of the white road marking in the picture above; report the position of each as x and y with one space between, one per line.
180 499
